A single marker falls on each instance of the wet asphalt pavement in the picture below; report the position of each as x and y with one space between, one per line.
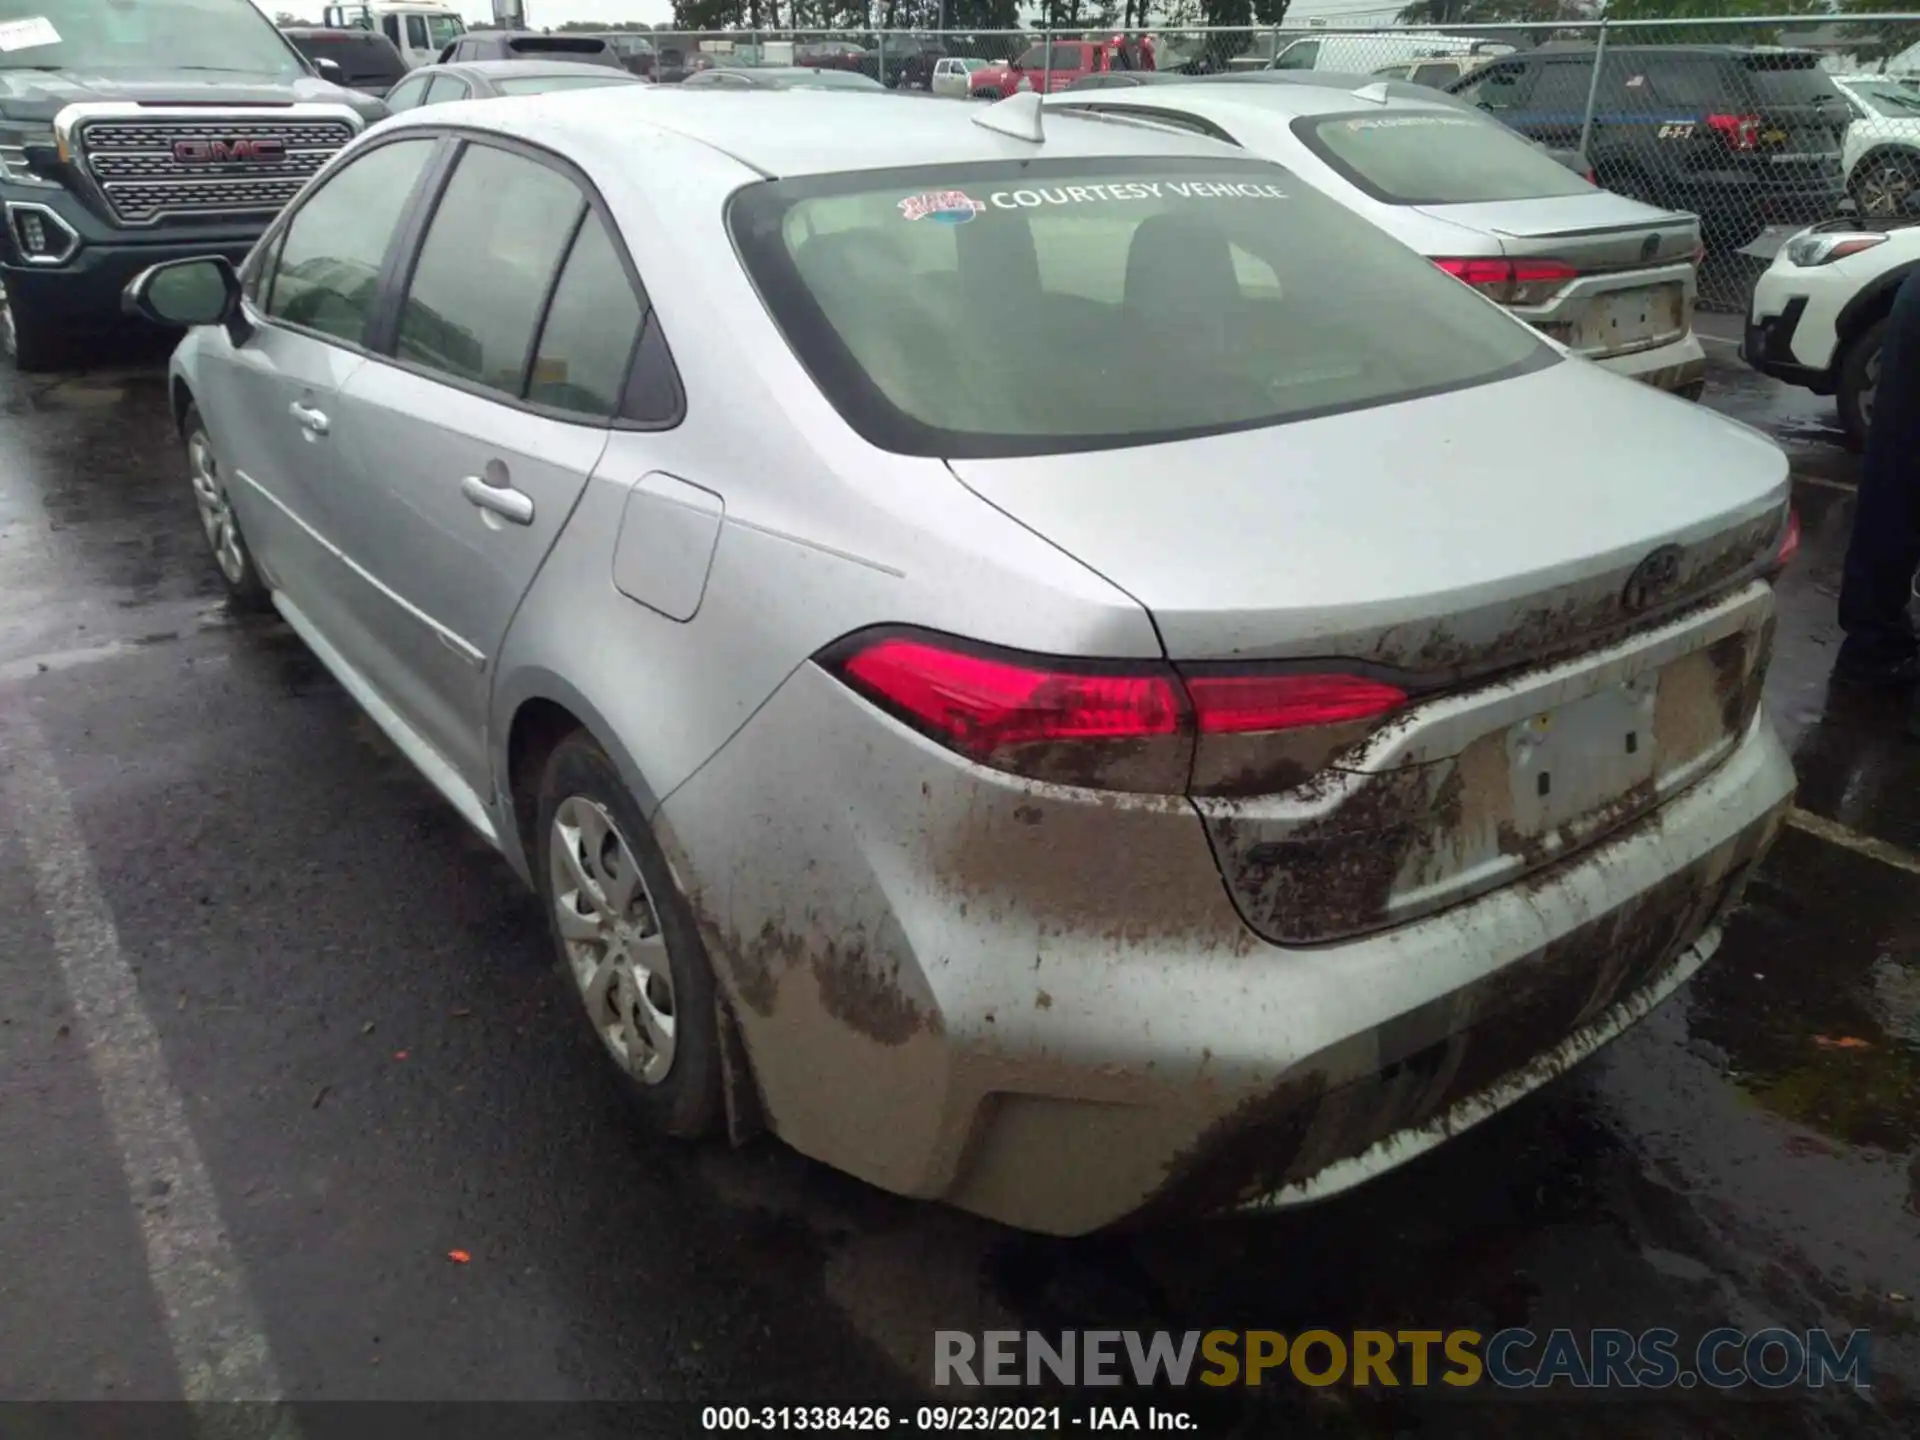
353 1000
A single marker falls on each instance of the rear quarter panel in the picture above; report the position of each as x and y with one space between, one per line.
822 534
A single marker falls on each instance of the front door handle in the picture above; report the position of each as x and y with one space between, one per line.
502 500
314 422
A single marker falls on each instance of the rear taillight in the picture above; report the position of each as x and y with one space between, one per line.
1741 132
1511 282
1789 545
1130 725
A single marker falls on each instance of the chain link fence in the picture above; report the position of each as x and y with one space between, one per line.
1758 126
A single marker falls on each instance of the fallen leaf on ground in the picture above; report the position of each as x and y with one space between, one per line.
399 1054
461 1012
1844 1042
459 1257
321 1094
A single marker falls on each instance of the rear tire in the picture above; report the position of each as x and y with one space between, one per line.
34 341
618 874
1859 377
1883 186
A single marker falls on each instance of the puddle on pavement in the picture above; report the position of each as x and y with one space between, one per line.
1816 999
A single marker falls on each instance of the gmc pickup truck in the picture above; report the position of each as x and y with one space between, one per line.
137 131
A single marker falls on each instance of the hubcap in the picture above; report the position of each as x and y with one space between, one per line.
216 516
611 931
1885 190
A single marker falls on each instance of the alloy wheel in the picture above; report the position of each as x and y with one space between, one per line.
610 930
1885 189
216 514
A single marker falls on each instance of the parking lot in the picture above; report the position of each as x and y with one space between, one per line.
247 948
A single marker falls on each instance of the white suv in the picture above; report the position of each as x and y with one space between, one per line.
1819 310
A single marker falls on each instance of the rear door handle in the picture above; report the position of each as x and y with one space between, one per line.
502 500
314 422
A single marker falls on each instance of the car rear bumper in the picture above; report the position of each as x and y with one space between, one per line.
1041 1004
1680 366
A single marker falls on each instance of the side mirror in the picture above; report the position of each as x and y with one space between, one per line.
330 70
185 292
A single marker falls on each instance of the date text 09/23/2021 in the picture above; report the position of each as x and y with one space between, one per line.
947 1419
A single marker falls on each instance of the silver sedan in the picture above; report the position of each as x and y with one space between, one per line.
1610 278
1067 776
490 79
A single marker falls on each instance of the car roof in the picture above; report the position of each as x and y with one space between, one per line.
337 32
1580 50
794 132
1200 98
517 69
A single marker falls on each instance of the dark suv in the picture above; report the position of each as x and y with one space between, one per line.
368 62
525 45
1744 138
141 132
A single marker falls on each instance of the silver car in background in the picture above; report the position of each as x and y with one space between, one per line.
1611 279
494 79
1065 776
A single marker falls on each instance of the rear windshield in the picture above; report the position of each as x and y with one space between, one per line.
548 84
1789 84
1434 159
999 309
1889 97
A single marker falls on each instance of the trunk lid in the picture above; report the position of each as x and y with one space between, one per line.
1434 544
1634 287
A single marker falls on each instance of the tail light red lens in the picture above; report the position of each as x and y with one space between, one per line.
1741 132
1789 544
1510 282
1106 725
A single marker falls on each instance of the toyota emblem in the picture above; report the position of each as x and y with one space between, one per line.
1651 579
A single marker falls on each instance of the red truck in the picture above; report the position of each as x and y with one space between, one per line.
1071 60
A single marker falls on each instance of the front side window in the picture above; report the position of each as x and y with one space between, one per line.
490 254
211 35
953 311
443 30
328 273
417 32
1435 159
445 88
1034 59
1436 75
390 24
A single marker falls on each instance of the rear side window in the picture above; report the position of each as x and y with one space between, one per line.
484 270
445 88
590 330
329 265
1411 159
1436 74
1298 56
1784 84
1688 84
1053 306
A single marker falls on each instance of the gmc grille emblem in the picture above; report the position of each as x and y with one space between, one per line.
228 152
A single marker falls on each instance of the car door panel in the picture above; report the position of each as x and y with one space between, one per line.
438 575
468 440
279 467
